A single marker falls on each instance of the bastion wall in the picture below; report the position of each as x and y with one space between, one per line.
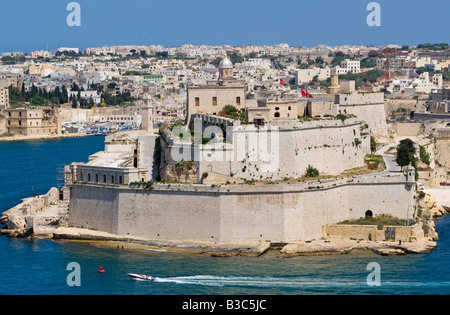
282 149
236 213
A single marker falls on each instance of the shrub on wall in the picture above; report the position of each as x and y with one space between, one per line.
311 171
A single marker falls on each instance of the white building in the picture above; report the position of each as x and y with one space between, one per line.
87 95
307 75
67 49
353 66
134 120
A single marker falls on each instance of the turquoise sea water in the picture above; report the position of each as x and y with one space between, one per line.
39 266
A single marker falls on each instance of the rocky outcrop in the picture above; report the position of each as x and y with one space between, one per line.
326 247
430 204
31 214
209 248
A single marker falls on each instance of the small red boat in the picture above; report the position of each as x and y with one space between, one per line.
101 270
141 277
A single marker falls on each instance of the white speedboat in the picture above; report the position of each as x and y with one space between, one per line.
141 277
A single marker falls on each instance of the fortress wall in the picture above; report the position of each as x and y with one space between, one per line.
407 129
235 213
324 207
442 151
169 215
288 152
359 98
368 107
94 207
394 104
373 115
252 217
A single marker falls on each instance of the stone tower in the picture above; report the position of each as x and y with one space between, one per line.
334 87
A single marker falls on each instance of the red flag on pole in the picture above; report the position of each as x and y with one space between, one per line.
304 93
281 82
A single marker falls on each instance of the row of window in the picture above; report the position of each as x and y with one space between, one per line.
214 101
20 123
20 114
112 179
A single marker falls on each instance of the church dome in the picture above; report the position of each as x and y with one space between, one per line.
225 63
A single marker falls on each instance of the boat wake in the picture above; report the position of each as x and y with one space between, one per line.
295 282
262 282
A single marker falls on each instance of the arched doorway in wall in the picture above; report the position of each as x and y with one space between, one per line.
369 214
277 115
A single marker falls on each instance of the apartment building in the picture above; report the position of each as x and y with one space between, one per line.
351 65
32 121
4 98
347 66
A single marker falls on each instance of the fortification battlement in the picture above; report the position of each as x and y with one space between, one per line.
269 187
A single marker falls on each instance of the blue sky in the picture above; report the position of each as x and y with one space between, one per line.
28 25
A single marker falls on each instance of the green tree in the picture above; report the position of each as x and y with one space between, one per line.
406 153
373 144
38 101
421 70
424 156
235 57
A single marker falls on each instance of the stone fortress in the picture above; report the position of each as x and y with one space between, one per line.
219 179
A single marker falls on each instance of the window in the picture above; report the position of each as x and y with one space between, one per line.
89 177
120 180
258 122
112 179
238 100
214 101
197 101
104 178
96 178
277 114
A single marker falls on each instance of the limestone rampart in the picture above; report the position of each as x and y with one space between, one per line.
234 213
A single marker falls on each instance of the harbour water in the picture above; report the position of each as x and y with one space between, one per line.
40 266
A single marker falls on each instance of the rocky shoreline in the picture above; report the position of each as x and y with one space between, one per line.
294 249
299 248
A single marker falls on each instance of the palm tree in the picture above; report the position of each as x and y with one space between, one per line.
179 167
188 165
